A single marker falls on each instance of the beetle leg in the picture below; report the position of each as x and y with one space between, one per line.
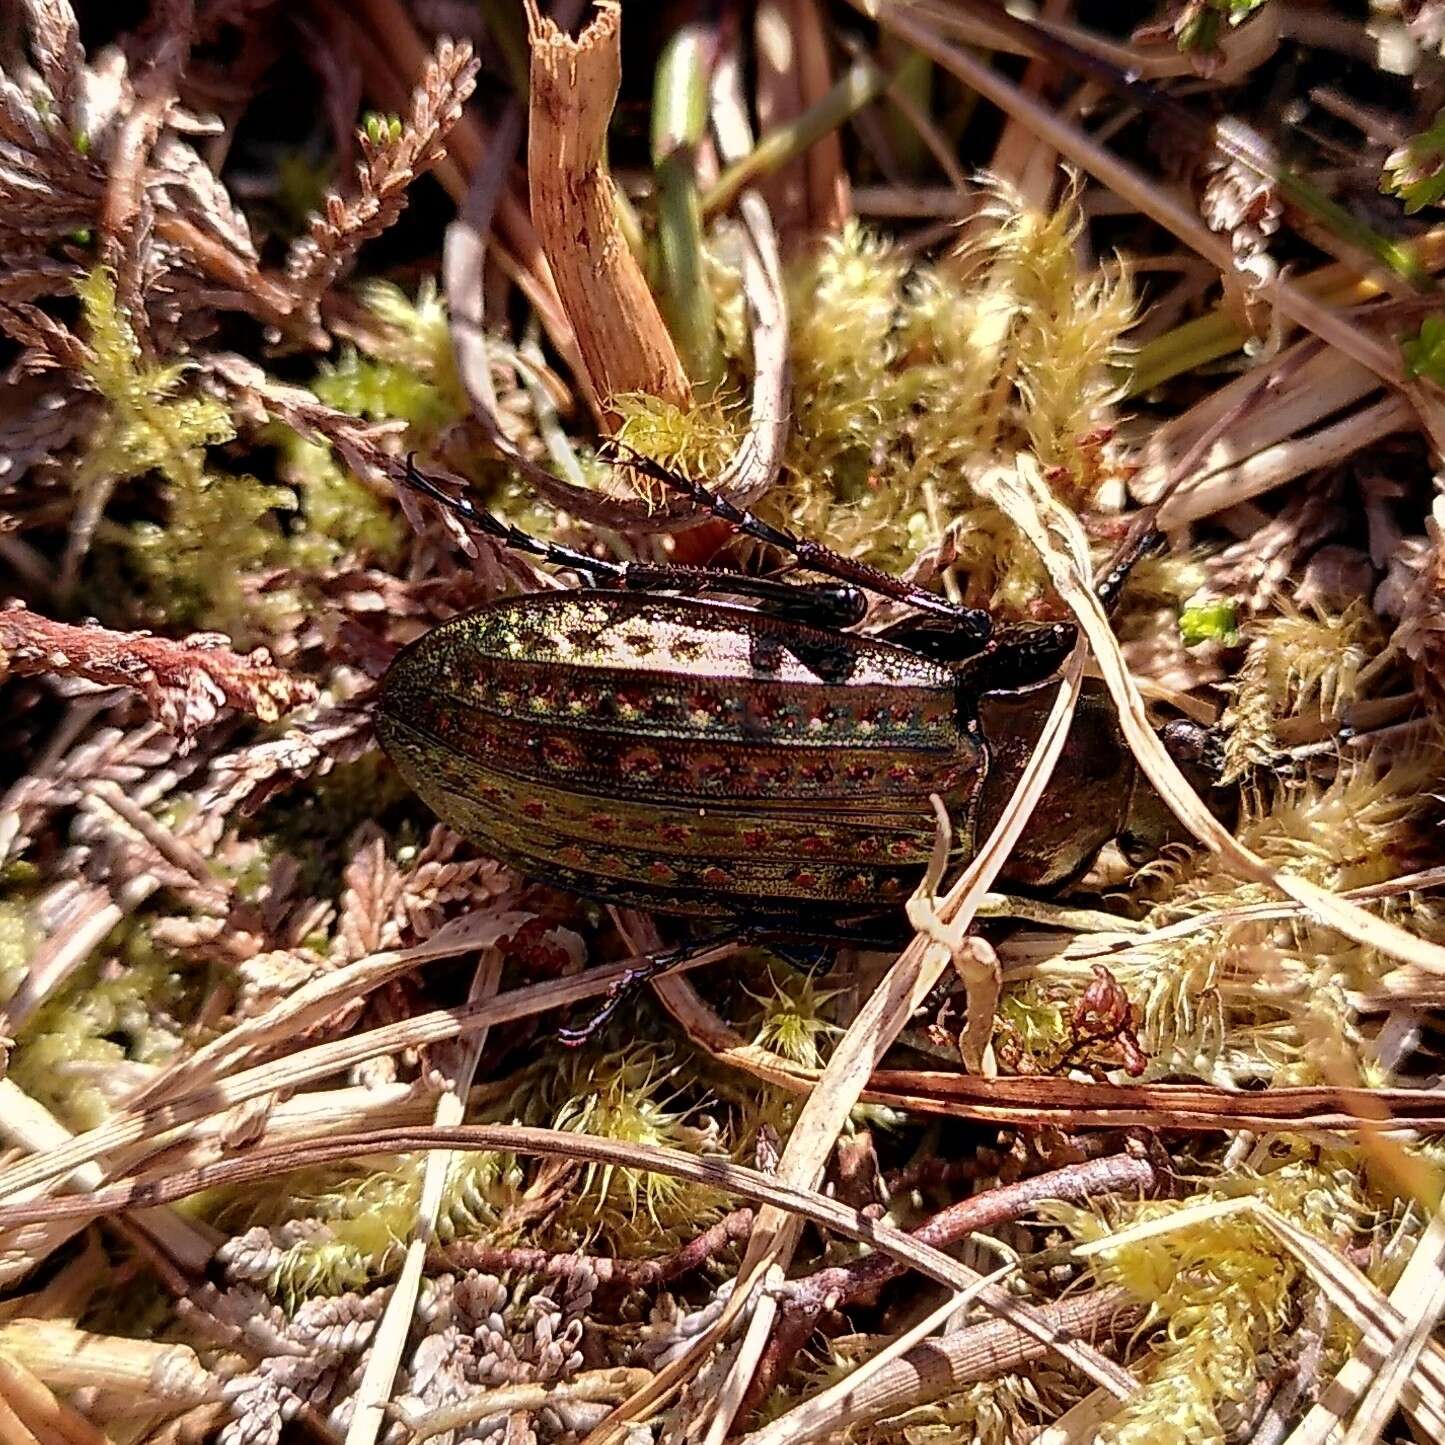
653 967
812 555
592 568
1110 585
824 604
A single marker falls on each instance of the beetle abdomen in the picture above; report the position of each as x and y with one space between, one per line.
686 756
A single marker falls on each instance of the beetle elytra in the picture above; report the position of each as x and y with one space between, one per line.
756 765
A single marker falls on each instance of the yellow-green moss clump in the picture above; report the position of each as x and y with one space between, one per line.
72 1054
1222 1292
910 376
339 1227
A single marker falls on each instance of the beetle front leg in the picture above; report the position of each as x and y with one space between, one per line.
823 604
813 555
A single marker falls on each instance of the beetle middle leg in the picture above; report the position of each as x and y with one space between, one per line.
654 966
790 939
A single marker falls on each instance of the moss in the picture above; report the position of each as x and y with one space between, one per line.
339 515
19 937
1221 1290
121 1008
910 377
793 1020
149 425
340 1227
1240 1001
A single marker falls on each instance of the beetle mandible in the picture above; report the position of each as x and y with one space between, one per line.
643 742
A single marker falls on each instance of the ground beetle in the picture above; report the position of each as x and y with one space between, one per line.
641 742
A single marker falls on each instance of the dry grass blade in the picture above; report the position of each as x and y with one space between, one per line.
1134 186
176 1108
27 1125
164 1186
376 1385
1420 1297
823 1411
67 1358
936 1368
39 1412
1022 493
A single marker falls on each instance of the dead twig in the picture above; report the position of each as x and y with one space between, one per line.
185 684
621 1274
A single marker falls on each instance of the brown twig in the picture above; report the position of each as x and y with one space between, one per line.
183 683
836 1287
623 1274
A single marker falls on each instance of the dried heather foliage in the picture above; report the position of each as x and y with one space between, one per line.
393 154
185 683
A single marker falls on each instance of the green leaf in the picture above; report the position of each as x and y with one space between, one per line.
1209 622
1416 171
381 129
1425 353
1198 25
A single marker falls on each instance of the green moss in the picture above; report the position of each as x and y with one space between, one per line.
339 515
910 378
121 1010
1222 1289
793 1019
220 529
19 938
149 424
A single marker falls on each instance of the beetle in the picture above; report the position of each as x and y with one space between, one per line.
647 740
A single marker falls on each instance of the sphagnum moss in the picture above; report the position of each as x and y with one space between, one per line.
1222 1292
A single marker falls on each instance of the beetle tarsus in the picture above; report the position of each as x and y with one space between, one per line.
628 986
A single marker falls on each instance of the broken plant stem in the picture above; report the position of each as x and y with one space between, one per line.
622 1274
623 341
379 1376
950 1363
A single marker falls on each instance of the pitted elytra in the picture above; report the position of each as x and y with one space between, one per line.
757 764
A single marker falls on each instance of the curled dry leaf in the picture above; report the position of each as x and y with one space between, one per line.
185 683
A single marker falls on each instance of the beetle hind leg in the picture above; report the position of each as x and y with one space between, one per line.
630 984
